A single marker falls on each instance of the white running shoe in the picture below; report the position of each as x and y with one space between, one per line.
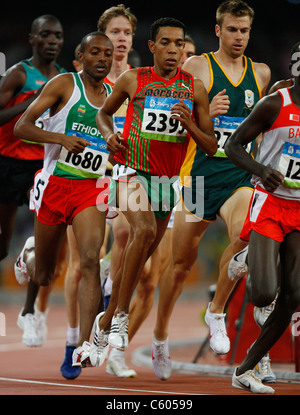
263 369
99 347
28 324
118 336
248 381
81 355
161 361
116 365
237 267
219 341
261 314
20 268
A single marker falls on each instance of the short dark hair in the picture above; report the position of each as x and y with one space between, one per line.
165 22
85 38
35 25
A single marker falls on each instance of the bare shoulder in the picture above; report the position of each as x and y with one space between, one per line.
263 74
196 65
284 83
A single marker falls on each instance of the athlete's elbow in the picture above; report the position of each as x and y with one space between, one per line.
211 151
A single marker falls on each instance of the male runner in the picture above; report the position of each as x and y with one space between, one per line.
20 159
67 190
272 226
167 106
236 83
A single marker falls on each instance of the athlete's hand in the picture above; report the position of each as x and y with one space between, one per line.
271 178
219 104
115 143
74 144
181 112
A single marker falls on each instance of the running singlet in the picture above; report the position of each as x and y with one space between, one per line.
156 143
219 170
77 117
280 148
10 145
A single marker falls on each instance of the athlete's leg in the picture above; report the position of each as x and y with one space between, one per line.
289 296
142 302
233 212
89 231
72 280
186 238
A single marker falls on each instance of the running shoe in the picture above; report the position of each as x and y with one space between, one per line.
161 361
118 336
237 267
81 355
100 346
29 326
67 370
248 381
116 365
261 314
20 268
263 369
219 341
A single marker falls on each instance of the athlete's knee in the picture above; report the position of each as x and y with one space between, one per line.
262 296
146 289
43 277
180 273
145 233
121 236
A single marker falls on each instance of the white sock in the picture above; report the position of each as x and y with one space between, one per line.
159 342
72 335
117 353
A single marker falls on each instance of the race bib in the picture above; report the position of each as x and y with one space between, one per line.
289 165
224 127
91 163
158 123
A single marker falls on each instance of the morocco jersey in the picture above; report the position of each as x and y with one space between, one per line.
156 143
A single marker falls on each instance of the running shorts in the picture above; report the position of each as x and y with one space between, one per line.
163 192
57 200
271 216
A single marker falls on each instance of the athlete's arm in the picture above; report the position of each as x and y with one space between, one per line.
54 96
202 130
261 118
123 89
263 75
10 85
198 66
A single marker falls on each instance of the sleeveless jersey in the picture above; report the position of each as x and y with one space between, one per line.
280 148
156 143
219 170
10 145
77 117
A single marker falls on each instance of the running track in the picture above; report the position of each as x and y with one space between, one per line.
35 371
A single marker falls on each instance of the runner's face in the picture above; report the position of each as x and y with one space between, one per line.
97 57
234 34
119 30
167 48
48 39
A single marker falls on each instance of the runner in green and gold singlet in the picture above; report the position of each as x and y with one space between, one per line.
221 176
